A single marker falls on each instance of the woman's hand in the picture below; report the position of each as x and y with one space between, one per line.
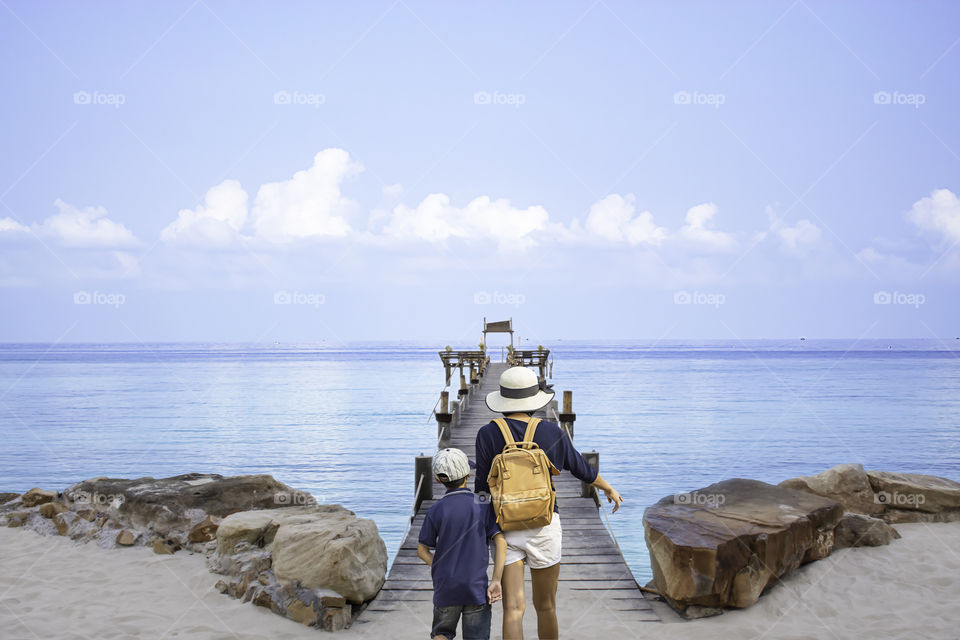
610 492
614 497
494 591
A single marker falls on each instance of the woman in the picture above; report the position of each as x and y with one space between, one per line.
520 395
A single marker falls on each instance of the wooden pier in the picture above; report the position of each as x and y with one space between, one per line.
596 589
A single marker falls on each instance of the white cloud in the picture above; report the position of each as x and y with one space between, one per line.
612 219
217 222
799 239
309 204
698 230
436 220
939 212
9 225
85 228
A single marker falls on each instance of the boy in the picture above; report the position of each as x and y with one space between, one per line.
458 526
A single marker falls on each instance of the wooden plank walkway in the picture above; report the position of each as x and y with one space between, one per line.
595 581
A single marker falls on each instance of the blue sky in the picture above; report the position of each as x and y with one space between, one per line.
380 170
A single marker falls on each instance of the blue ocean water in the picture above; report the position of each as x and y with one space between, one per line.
344 423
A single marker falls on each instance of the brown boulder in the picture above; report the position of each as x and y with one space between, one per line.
848 484
911 495
49 509
87 514
164 547
858 530
36 497
302 612
724 544
205 530
64 522
126 538
6 496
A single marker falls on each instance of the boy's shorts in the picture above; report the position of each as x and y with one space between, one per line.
476 621
539 547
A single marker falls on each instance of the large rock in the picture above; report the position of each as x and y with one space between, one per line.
6 496
724 544
338 552
320 548
858 530
36 497
848 484
171 507
914 497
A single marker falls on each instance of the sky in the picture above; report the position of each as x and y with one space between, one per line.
302 171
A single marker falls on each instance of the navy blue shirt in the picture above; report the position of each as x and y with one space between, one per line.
551 439
459 527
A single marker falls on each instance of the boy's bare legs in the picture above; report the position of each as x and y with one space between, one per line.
514 601
545 601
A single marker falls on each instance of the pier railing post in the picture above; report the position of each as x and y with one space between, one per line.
463 386
567 416
422 480
444 421
586 490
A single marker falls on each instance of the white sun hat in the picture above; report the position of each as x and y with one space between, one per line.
451 465
520 391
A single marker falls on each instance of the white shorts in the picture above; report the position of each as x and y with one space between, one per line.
539 547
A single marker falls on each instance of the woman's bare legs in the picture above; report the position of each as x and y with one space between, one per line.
545 601
514 601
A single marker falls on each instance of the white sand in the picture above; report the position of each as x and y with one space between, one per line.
54 588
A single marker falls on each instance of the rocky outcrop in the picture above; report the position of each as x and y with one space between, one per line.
6 496
165 514
858 530
893 497
847 484
170 508
36 497
306 563
914 497
722 545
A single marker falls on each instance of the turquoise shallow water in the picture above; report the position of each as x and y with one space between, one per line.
344 424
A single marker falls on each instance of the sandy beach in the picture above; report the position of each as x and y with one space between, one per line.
52 587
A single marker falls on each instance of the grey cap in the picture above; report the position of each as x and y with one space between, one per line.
450 465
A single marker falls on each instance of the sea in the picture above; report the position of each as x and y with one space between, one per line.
344 422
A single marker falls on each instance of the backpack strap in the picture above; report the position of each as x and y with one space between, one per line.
531 430
505 430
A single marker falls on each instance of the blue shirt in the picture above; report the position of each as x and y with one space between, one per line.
459 527
551 439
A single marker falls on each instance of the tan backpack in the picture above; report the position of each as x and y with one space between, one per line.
520 487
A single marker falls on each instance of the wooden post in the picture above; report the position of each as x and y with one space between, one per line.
473 374
567 416
463 386
422 468
444 421
586 490
446 371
